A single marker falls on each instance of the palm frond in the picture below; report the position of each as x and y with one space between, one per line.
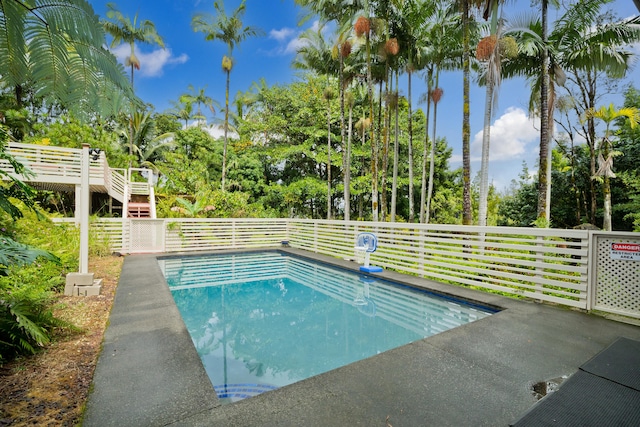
56 46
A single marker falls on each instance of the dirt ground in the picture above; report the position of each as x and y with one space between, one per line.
51 388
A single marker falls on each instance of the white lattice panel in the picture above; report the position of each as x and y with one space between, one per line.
146 236
617 280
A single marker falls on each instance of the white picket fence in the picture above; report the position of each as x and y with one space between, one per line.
551 265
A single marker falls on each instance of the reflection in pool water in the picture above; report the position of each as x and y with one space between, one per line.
264 320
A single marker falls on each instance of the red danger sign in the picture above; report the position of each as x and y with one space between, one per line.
626 247
625 251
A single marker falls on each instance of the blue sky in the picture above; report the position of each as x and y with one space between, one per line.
190 60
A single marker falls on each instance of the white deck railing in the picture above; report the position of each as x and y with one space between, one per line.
60 165
46 162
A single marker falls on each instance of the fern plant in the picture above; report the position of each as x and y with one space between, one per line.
57 48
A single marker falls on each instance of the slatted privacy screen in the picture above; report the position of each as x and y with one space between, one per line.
544 264
549 265
212 234
109 231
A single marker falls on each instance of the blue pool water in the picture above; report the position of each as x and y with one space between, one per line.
264 320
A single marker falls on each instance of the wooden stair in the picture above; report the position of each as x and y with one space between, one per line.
139 210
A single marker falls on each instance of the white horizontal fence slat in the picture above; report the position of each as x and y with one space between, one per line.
108 231
547 265
543 264
210 234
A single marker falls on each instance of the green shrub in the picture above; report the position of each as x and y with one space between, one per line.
25 325
32 272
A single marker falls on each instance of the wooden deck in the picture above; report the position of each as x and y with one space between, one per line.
60 169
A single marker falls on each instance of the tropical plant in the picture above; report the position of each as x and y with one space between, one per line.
200 98
467 214
124 30
442 26
315 55
230 30
489 53
606 150
25 325
578 43
147 145
182 110
25 321
16 189
55 48
13 253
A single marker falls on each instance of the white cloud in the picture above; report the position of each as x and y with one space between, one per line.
282 34
511 134
294 45
289 41
151 63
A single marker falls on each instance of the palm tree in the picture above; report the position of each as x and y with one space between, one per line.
489 52
415 41
56 49
577 43
230 30
183 110
200 98
147 145
342 12
316 55
467 214
123 30
606 154
544 171
443 53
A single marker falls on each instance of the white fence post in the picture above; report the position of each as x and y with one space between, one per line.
84 211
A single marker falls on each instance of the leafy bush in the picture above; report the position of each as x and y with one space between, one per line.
28 279
25 325
30 276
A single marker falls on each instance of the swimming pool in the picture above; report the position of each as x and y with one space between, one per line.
263 320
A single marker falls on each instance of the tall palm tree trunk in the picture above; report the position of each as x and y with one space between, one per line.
432 156
374 147
543 178
467 215
425 149
396 152
410 149
385 149
484 162
226 133
346 160
328 158
347 170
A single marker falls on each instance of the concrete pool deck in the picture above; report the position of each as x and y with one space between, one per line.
149 373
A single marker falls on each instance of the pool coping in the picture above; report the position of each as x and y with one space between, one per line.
149 373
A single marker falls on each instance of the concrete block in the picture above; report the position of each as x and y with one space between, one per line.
87 291
77 279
